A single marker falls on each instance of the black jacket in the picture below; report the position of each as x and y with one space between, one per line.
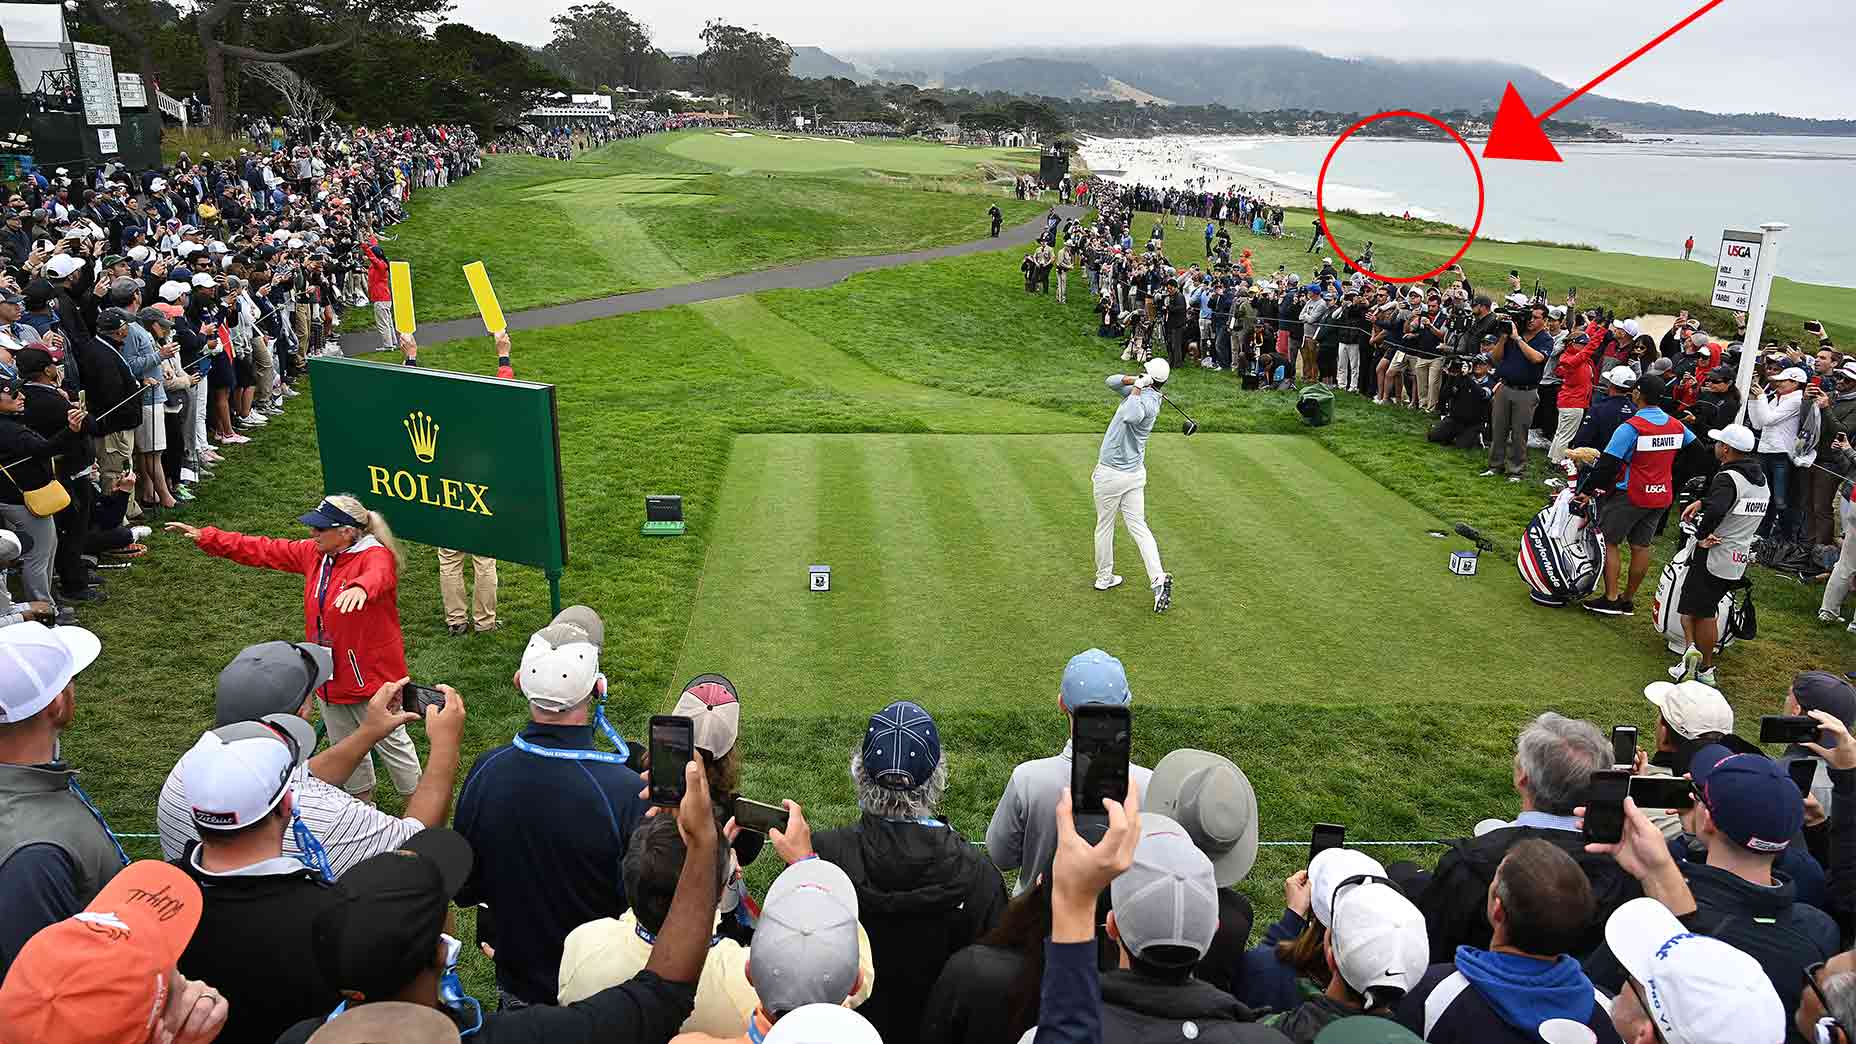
1455 902
1141 1010
971 1002
644 1009
18 442
1607 412
923 893
1783 936
253 945
108 382
46 413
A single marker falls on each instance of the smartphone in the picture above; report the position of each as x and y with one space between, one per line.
1624 745
1100 737
1662 792
416 698
1804 773
1324 837
673 743
1787 728
759 816
486 926
1604 807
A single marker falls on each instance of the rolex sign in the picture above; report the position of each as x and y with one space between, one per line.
451 459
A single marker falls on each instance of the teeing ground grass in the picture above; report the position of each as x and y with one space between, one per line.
961 569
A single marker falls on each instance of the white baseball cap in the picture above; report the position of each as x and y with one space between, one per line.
1379 939
238 773
61 266
157 185
1790 373
1690 707
172 290
1332 867
561 664
37 662
1169 897
203 279
186 248
1158 370
1621 377
1735 436
823 1024
1696 989
1631 327
10 548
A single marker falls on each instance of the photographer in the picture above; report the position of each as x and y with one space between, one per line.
1470 386
1424 343
1520 357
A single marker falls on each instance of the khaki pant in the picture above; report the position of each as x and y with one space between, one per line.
1511 412
383 324
1427 379
402 759
299 321
116 455
264 369
1563 433
451 588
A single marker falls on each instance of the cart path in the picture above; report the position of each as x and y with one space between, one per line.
809 275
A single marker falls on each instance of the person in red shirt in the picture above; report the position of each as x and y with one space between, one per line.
1576 376
351 571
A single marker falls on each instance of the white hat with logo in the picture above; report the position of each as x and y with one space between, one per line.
37 662
1691 708
238 773
561 664
1379 939
1696 989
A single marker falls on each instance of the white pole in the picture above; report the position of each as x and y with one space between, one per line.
1750 345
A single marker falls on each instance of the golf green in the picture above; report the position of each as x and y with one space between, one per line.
961 569
781 152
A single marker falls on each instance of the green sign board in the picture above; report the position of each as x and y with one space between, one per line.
451 459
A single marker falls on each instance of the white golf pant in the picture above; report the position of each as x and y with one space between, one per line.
1126 492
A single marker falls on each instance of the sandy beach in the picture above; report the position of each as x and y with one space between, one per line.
1180 161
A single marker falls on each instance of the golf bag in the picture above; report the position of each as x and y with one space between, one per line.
1733 620
1561 556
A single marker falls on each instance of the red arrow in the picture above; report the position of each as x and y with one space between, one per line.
1517 133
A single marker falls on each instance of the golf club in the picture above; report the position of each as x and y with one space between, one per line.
1191 425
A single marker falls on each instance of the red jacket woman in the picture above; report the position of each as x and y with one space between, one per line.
350 571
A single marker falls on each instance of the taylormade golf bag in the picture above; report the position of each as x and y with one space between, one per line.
1561 555
1732 620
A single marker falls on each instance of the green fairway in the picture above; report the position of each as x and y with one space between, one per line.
638 214
765 150
961 569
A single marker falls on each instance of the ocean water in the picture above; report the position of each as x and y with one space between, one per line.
1640 197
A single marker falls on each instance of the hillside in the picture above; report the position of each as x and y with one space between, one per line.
1273 78
813 63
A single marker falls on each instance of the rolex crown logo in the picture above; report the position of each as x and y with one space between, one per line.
423 431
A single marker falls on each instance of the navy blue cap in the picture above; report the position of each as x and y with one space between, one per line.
1751 798
901 747
328 516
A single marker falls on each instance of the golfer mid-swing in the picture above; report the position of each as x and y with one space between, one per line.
1121 480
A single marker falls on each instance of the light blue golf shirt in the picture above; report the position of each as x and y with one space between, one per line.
1124 445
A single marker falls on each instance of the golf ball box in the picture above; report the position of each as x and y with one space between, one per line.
1463 563
818 578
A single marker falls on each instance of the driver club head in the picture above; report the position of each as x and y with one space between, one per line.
1191 427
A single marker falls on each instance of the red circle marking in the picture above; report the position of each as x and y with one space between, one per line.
1321 210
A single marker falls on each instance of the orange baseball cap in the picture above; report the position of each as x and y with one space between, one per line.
101 977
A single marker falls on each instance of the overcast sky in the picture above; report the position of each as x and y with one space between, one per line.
1788 56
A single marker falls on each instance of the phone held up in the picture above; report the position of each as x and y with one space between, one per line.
1604 807
1623 746
1788 728
1324 837
759 816
673 743
416 698
1100 738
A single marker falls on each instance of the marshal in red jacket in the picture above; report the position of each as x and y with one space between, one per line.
368 648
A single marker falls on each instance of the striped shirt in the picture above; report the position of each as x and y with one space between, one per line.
349 830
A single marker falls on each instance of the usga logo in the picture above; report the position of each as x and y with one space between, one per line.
432 491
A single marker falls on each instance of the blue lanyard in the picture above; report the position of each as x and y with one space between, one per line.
107 832
310 851
599 719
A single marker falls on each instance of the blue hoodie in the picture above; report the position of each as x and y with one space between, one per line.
1526 992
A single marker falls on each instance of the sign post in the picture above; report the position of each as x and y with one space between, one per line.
410 442
1743 283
